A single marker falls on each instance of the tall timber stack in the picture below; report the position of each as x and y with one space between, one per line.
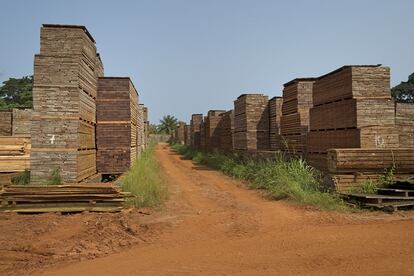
404 120
117 119
275 112
203 134
352 109
140 130
195 127
226 128
212 132
251 122
294 122
22 122
146 127
64 92
180 133
6 123
187 135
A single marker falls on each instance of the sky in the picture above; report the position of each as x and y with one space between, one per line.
191 56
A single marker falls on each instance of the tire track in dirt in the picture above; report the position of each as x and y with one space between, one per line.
219 227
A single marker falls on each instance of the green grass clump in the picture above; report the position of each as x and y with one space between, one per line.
282 179
55 177
22 178
144 181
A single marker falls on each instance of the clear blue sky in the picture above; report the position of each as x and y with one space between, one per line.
189 56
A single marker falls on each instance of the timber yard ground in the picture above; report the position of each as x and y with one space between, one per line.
211 225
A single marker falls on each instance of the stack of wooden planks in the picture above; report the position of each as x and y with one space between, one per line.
212 126
5 123
14 154
180 133
117 119
63 198
352 109
352 166
404 121
203 134
294 122
195 127
146 127
226 130
140 130
188 135
251 122
275 112
22 122
64 92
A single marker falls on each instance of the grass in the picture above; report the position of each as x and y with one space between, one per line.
294 180
55 177
22 178
144 181
372 186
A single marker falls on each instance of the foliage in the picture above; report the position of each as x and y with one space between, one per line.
293 180
372 186
404 92
22 178
144 182
16 93
168 124
55 177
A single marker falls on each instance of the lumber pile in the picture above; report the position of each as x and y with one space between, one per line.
5 123
180 133
62 198
203 134
212 129
226 130
14 154
22 122
275 112
117 119
140 130
188 135
64 92
146 127
195 127
352 109
404 121
251 122
294 122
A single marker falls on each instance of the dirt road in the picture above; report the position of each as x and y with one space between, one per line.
217 227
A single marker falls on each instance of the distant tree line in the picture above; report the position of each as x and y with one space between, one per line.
404 92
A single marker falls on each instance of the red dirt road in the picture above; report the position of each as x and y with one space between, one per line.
217 227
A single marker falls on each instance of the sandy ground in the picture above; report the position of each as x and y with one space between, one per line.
211 225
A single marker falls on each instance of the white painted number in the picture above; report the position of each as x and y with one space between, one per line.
52 139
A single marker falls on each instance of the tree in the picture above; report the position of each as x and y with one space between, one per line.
16 93
155 129
168 124
404 92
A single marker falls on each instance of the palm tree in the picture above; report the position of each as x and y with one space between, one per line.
168 124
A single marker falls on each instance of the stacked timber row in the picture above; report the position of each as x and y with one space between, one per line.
212 130
140 130
195 127
64 92
348 168
352 109
22 122
6 123
251 122
294 122
14 154
275 112
404 120
188 135
226 130
146 127
117 119
203 134
180 133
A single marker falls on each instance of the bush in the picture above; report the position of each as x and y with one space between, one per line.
293 180
55 177
22 178
144 181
